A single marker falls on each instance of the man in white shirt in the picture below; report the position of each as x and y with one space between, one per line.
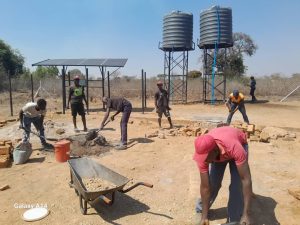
34 113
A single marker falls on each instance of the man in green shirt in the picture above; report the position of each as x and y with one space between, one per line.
76 97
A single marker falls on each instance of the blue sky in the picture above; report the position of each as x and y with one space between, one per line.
132 29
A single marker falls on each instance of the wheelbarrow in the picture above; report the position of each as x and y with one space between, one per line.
86 168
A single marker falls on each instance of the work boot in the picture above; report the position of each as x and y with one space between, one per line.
47 146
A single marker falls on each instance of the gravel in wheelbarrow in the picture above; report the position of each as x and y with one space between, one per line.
82 169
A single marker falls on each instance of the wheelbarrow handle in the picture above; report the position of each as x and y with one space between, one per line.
137 184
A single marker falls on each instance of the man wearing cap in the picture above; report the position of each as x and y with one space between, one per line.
76 95
34 113
162 104
222 146
236 102
120 105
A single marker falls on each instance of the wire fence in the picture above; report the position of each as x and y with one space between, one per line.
269 88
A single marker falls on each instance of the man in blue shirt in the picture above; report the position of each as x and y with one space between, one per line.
252 88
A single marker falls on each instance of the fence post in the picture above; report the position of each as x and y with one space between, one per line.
31 80
10 95
143 107
63 79
145 84
108 84
87 88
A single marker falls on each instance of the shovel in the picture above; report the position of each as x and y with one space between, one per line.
36 134
91 135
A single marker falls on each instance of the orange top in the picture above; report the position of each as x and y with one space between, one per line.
236 100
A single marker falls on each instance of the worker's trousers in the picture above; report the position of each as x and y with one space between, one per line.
124 122
241 108
37 122
236 199
252 90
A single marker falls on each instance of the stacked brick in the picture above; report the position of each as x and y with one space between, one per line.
6 149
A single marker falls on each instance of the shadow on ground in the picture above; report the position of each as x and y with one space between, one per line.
135 109
148 109
123 206
257 101
36 160
140 140
262 211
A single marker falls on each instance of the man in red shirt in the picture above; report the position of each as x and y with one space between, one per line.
222 146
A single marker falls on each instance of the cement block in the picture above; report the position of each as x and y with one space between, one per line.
4 161
251 128
4 150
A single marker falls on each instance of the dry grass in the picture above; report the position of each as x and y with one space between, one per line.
273 87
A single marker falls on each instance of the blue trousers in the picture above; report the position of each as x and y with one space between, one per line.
124 122
37 122
241 108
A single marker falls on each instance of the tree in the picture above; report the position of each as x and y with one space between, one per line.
194 74
10 59
43 72
75 72
233 65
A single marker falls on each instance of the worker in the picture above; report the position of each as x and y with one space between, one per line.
162 104
120 105
76 97
252 88
222 146
34 113
236 102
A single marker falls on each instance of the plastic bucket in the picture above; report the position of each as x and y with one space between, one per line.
62 150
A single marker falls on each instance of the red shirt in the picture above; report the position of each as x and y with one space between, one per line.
230 142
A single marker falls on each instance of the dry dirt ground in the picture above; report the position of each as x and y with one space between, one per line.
167 164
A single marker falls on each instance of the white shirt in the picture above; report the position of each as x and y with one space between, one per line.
30 111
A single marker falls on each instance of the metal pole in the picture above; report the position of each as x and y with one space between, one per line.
108 84
63 77
103 83
169 78
31 81
145 83
224 76
290 93
143 110
165 64
205 75
87 88
10 95
69 78
186 77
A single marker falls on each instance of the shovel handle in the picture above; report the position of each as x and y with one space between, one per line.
97 131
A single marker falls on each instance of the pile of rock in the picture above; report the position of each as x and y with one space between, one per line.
193 131
264 134
255 132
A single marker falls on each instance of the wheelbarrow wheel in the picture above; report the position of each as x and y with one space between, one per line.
83 205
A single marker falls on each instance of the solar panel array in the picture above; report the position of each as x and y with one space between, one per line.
83 62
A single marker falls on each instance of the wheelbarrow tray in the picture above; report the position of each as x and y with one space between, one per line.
87 168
